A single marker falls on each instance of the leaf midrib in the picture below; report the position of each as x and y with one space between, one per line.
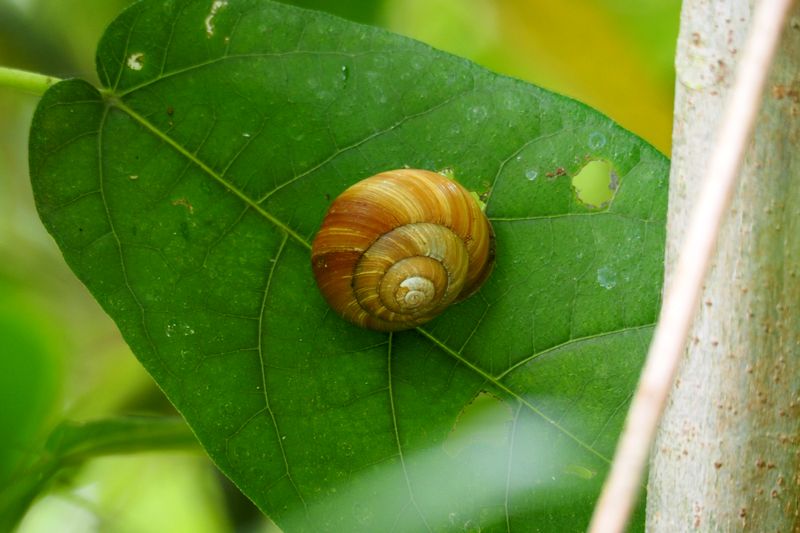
208 170
114 101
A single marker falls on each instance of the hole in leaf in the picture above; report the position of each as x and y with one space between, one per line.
596 183
482 424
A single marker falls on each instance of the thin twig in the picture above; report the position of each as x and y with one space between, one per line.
682 296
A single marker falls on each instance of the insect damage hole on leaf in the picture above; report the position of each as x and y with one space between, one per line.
596 183
209 22
484 422
135 61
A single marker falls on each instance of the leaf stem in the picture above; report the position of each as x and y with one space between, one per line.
78 441
72 443
29 82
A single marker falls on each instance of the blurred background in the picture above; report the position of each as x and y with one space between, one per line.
62 358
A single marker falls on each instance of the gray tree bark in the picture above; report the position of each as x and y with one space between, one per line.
727 456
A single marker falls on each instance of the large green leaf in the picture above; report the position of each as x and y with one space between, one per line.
185 192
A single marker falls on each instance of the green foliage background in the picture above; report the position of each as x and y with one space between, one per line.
66 355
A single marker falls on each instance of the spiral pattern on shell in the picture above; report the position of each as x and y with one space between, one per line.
395 249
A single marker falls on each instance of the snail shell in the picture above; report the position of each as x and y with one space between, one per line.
395 249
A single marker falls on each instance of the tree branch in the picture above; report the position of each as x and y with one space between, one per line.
683 293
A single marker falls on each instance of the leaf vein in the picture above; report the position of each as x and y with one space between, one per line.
262 359
341 151
569 342
210 172
101 179
397 434
513 436
221 59
501 386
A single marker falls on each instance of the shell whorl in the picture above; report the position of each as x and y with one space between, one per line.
395 249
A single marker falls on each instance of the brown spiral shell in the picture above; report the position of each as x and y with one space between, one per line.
395 249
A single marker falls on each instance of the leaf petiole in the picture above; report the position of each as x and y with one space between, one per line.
30 82
72 443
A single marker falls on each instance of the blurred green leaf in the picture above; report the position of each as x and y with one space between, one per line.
75 25
72 443
30 365
185 193
615 55
77 441
23 43
154 492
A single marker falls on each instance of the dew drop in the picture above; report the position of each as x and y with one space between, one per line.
606 277
596 140
478 113
346 449
531 174
362 513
